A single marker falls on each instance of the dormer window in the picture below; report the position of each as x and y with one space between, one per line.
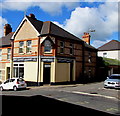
47 46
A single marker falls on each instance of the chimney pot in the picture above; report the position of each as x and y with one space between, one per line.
32 16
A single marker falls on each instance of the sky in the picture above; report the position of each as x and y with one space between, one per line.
75 16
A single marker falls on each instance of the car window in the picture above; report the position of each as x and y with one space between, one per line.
20 80
6 82
114 77
11 80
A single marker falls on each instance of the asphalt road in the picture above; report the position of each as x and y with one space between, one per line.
73 99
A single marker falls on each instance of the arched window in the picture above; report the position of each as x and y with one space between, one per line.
47 46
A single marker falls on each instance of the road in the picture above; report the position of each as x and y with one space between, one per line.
66 98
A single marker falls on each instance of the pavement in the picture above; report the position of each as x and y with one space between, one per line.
93 95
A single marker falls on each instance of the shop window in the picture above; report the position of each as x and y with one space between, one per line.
47 46
29 47
0 54
8 53
61 47
71 48
0 74
18 70
21 46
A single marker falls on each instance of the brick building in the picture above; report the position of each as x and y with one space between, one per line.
44 53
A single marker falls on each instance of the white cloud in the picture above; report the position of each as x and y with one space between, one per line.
3 21
104 20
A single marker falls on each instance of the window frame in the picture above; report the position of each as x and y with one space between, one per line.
71 48
8 53
62 46
29 47
21 47
49 47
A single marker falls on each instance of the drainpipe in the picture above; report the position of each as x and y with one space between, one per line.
11 59
38 59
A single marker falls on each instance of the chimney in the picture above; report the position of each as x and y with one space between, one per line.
7 29
32 16
86 38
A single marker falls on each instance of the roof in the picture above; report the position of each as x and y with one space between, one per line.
5 41
112 45
48 27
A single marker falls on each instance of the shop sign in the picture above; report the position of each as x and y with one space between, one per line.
24 59
64 60
48 60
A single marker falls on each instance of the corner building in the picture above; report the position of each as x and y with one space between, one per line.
44 53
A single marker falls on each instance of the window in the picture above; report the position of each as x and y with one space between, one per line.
89 57
21 45
29 47
0 54
18 70
8 53
47 46
104 54
61 47
0 74
71 48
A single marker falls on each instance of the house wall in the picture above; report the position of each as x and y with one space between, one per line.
4 63
115 54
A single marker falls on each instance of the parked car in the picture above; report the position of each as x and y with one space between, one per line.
112 81
13 83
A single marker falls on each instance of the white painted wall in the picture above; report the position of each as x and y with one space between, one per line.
115 54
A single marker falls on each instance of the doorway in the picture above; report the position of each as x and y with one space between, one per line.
8 73
46 73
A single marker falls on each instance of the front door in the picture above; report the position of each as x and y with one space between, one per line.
8 72
46 73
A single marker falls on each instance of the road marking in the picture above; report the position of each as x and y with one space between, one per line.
97 95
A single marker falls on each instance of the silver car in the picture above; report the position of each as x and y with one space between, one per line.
112 81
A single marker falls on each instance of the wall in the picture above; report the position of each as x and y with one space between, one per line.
115 54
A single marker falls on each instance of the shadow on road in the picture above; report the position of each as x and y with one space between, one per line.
38 105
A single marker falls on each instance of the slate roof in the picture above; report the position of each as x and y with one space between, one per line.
5 41
48 27
112 45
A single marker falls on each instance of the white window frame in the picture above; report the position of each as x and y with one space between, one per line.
8 53
29 47
71 48
21 47
48 44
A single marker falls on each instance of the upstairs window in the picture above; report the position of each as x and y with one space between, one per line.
21 46
47 46
8 53
71 48
61 47
29 47
0 54
105 55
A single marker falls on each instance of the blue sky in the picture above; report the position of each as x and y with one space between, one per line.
75 17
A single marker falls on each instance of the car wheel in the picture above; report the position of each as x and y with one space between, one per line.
15 88
1 88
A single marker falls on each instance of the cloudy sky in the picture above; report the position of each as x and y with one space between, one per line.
75 16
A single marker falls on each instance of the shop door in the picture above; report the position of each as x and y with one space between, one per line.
71 72
8 72
46 74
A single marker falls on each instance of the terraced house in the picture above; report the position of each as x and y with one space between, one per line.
43 53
